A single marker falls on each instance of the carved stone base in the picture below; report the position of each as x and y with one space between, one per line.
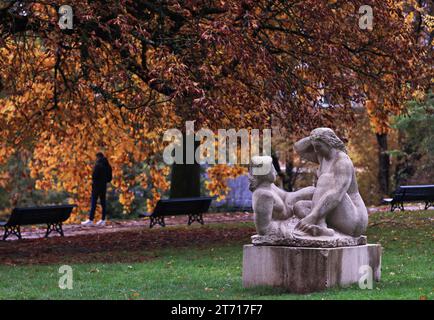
308 241
285 234
304 270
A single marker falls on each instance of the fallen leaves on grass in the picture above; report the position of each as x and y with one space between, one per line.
123 246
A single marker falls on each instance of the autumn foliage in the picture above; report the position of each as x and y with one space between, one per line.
131 69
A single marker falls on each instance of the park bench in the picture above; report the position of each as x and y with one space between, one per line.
193 207
53 216
424 193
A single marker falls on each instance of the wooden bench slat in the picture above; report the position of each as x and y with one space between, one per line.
193 207
52 216
413 193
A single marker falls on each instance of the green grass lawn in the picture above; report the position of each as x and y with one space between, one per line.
199 272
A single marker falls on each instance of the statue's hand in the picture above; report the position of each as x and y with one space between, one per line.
309 226
305 224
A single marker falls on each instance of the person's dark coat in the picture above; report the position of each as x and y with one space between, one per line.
101 175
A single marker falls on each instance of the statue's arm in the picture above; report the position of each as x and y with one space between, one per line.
302 194
263 212
333 197
305 149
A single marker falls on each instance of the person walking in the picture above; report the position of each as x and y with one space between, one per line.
101 175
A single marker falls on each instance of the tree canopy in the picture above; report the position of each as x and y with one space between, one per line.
130 69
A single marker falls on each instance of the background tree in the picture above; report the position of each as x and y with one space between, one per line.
419 18
416 154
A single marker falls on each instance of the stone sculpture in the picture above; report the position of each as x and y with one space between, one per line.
331 214
311 239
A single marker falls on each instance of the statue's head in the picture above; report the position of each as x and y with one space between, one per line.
261 170
325 139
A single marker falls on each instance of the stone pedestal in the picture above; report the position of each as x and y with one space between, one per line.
304 270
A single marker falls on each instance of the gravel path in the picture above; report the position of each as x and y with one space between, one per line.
32 232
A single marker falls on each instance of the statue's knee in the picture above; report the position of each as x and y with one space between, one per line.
302 205
298 206
301 209
311 189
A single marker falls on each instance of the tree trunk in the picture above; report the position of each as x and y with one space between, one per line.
400 163
289 176
383 164
185 179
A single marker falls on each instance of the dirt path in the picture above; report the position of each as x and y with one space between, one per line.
34 232
128 245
